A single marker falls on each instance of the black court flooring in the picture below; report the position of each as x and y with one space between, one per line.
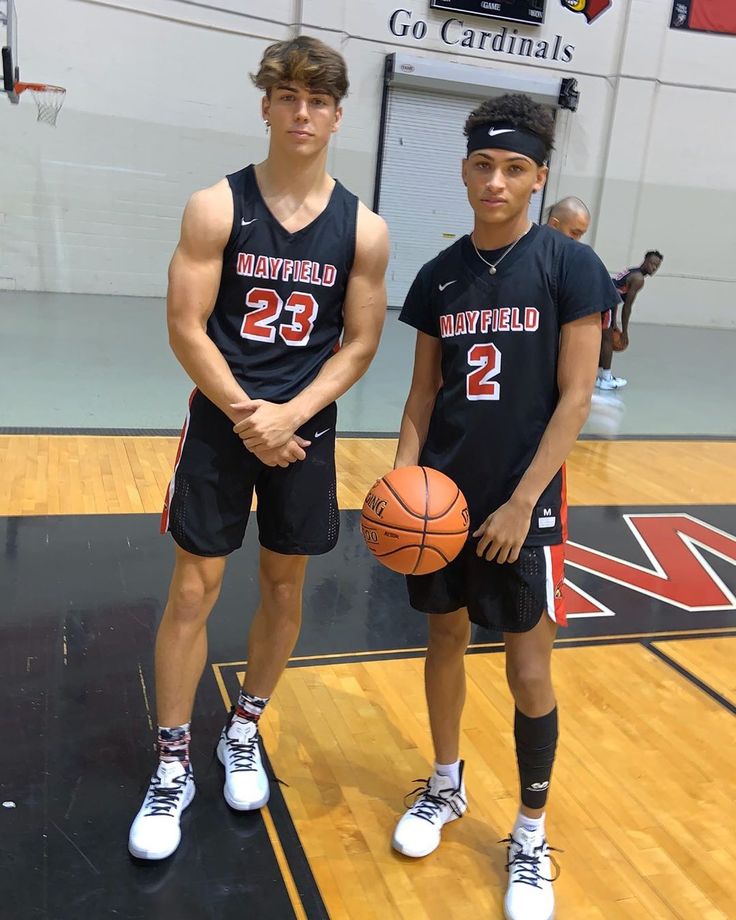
80 600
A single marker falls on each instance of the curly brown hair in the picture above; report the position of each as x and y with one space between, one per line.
519 111
304 60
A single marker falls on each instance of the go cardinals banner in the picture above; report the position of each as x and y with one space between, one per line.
705 16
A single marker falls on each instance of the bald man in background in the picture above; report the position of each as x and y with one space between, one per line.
570 216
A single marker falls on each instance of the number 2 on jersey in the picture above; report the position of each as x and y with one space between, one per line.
480 384
266 306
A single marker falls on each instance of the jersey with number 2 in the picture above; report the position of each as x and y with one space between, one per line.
279 310
499 337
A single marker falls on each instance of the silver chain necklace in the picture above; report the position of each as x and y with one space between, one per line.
493 265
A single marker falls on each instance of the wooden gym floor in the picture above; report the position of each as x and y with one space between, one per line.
642 800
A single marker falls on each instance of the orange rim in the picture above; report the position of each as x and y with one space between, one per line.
38 88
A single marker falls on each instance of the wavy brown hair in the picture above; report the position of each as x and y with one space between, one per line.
304 60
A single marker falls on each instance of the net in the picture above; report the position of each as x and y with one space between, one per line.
49 100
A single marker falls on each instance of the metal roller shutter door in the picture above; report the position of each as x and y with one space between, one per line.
422 197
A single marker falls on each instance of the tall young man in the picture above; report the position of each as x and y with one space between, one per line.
275 263
508 334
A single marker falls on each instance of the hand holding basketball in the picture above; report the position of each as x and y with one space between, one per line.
619 340
502 534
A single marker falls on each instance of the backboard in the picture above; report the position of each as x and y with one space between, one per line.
11 71
48 98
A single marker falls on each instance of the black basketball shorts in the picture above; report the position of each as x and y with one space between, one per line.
508 597
209 498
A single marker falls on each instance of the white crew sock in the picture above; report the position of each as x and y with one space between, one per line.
449 769
532 825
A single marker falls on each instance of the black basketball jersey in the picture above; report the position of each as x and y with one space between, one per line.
622 279
499 336
279 310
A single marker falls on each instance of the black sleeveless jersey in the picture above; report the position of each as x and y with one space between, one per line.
279 311
621 280
499 336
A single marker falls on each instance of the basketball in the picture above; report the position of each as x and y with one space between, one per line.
415 520
617 339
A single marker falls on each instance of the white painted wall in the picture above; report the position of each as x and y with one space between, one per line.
160 103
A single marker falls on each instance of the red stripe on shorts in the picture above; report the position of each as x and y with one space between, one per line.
164 526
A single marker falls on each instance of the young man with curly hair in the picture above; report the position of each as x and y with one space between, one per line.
275 264
508 334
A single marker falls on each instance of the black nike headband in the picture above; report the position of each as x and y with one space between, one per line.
505 137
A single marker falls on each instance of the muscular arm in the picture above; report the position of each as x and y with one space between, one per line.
425 384
363 316
364 311
503 533
194 280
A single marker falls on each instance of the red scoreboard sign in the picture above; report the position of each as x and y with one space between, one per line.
705 16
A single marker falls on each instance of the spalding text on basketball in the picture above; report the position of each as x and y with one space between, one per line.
376 504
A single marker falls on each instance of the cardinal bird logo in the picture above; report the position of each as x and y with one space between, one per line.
591 9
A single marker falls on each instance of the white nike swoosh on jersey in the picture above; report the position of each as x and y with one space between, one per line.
244 222
318 434
492 132
446 284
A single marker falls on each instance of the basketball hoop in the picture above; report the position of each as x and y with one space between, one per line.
49 99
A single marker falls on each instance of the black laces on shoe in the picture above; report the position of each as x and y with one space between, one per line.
242 754
162 800
428 805
527 866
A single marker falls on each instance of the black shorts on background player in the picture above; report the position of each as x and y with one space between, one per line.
210 494
499 338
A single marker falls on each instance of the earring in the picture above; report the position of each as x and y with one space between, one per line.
267 124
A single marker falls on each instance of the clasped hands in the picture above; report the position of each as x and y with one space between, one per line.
267 431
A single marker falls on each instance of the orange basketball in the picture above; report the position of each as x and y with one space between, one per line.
415 520
617 340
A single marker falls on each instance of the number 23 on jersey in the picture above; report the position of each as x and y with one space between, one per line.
266 307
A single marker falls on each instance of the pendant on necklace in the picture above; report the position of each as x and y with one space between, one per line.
492 270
